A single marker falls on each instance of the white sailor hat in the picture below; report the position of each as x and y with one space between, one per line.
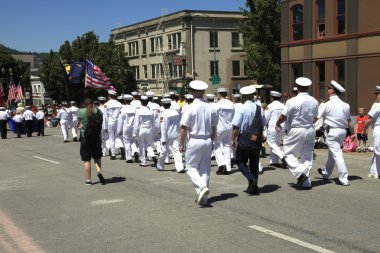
63 103
172 93
127 97
102 98
236 95
189 96
377 90
248 90
134 93
166 95
275 93
295 89
303 81
120 97
149 94
112 92
2 108
166 100
210 96
72 102
144 98
222 90
28 106
198 85
155 98
337 86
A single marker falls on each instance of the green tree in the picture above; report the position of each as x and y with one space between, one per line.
262 33
107 56
20 72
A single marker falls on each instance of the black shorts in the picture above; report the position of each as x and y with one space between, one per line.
90 148
362 137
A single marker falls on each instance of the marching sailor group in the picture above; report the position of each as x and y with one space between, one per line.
191 133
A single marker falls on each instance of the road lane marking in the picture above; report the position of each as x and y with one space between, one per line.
291 239
46 160
105 202
23 242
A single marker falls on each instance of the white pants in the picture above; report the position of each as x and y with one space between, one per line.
112 129
222 149
173 146
145 143
334 140
104 140
198 162
375 161
65 129
127 141
74 128
274 141
299 142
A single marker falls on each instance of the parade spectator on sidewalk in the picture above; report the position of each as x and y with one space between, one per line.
360 123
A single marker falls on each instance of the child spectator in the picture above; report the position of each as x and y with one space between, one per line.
360 122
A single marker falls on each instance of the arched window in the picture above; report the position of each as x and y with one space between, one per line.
297 22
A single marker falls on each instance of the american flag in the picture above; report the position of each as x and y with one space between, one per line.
19 95
12 92
2 103
95 78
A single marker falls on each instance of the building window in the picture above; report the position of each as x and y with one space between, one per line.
137 72
145 68
341 16
321 19
153 67
235 39
340 71
214 68
245 68
235 68
213 39
321 84
152 45
133 48
297 24
297 70
174 41
143 47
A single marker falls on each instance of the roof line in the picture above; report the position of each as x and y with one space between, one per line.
174 13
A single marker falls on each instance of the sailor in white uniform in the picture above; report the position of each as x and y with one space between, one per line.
156 110
336 119
170 120
65 116
274 138
125 126
136 100
174 104
143 127
104 133
225 109
199 120
374 122
111 115
74 122
300 113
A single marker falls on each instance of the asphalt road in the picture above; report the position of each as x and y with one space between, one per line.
46 207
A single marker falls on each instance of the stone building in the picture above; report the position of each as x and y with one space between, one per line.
169 51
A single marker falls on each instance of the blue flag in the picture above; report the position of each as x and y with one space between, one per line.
72 72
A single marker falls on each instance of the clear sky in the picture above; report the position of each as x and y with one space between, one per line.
44 25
